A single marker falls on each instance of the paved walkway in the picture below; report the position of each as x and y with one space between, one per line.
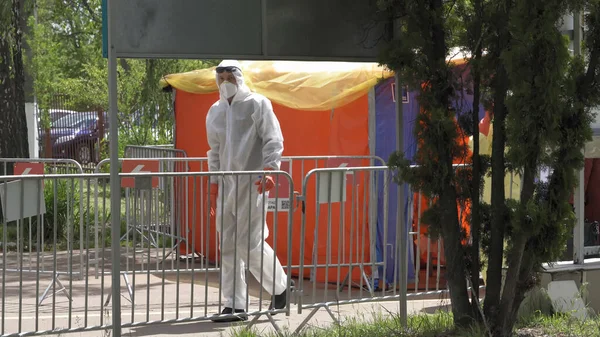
322 318
168 296
264 327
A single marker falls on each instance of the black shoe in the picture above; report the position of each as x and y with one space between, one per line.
280 301
229 311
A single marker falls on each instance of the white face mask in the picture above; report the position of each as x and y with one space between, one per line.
228 89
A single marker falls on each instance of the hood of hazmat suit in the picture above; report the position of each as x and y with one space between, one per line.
243 135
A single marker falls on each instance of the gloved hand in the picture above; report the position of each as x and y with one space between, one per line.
267 183
214 190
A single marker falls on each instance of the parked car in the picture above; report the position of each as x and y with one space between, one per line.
76 136
55 114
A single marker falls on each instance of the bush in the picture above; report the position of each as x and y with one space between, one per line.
62 209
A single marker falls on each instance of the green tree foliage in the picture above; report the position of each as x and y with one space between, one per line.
547 126
67 58
541 102
419 51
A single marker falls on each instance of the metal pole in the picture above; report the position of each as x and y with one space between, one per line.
400 225
578 200
400 211
36 110
115 186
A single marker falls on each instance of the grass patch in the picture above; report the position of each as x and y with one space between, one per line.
380 325
438 325
560 325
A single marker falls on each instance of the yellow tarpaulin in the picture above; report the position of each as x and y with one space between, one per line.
315 86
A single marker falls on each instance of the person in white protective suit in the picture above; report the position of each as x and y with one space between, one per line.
244 135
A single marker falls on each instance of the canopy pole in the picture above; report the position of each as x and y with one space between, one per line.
579 198
400 225
115 183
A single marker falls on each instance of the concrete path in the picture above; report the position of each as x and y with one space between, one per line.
263 327
169 296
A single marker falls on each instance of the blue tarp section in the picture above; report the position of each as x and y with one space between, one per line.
385 145
464 104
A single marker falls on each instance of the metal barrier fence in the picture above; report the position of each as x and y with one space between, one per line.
338 224
296 166
163 153
338 209
171 199
153 151
342 194
30 233
175 195
25 166
157 295
340 215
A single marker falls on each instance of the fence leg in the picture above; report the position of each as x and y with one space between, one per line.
129 290
305 321
174 248
143 236
348 283
345 282
269 316
335 319
252 322
129 287
55 279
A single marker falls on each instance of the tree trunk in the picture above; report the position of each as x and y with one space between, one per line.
476 183
7 102
456 276
498 218
475 209
523 285
22 146
500 85
517 265
27 10
13 124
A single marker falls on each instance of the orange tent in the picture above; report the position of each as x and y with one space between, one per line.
323 109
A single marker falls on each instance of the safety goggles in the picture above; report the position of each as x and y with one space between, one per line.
227 69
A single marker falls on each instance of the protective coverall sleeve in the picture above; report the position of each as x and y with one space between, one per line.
272 139
213 153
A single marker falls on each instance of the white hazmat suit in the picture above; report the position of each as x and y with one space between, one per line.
243 136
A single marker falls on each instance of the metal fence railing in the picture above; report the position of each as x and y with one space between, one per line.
156 295
176 194
171 199
330 221
153 151
338 238
31 216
